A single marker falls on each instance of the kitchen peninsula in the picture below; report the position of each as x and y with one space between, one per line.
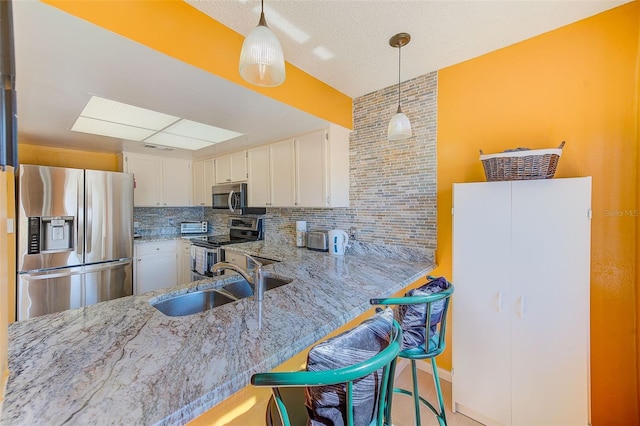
124 362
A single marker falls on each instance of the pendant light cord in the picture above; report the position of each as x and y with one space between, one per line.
262 21
399 67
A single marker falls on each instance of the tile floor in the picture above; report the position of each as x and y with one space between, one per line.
402 412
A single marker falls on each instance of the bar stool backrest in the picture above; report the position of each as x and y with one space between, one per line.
340 395
422 314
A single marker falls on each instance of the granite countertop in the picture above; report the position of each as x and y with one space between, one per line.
124 362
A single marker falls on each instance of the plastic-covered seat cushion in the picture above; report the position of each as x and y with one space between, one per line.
421 352
412 318
326 405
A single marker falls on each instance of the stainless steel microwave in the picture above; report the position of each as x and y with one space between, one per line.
232 199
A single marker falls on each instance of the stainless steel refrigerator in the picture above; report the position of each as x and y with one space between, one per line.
75 238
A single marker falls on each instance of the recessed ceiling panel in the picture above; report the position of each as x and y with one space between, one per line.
107 128
118 112
201 131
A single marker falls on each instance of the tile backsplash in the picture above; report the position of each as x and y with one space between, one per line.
163 221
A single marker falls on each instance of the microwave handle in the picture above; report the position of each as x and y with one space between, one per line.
230 201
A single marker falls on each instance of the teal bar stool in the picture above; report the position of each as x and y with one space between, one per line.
422 338
348 379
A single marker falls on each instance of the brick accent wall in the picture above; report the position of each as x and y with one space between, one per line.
393 184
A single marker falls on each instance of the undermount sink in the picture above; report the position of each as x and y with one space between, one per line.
203 300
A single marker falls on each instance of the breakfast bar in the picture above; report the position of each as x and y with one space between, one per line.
124 362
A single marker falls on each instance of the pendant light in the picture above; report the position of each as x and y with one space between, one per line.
261 58
399 126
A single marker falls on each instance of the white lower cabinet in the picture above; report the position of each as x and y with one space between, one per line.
521 256
184 261
156 266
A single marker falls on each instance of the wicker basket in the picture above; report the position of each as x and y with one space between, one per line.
521 165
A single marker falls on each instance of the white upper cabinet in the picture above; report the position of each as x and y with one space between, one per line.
231 167
147 179
259 183
282 173
203 180
311 170
159 181
271 171
322 168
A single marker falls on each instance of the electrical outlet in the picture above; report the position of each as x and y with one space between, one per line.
353 233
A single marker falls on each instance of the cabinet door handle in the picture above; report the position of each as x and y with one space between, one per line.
499 301
521 306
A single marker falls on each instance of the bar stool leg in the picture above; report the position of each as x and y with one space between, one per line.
416 395
442 419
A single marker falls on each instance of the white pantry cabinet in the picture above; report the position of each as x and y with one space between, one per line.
231 167
156 266
271 171
521 256
159 181
203 180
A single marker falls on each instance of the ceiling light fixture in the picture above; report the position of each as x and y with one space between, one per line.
261 58
114 119
399 126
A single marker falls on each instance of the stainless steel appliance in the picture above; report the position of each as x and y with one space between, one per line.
75 238
192 227
318 240
232 199
205 251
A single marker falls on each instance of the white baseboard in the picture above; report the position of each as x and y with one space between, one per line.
423 366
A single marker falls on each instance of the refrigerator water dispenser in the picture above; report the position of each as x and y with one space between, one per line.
57 233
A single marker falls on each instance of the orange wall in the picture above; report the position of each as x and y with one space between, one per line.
637 109
183 32
579 84
59 157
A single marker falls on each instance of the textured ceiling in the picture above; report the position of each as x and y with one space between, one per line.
62 60
357 32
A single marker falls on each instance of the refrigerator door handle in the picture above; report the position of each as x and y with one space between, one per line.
79 218
107 265
89 216
49 274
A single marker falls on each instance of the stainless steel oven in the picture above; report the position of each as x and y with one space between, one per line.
232 199
205 250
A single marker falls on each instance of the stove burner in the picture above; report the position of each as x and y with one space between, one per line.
241 230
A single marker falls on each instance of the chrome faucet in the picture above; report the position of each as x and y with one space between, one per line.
256 279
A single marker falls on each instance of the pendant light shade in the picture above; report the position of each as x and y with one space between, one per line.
261 58
399 126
